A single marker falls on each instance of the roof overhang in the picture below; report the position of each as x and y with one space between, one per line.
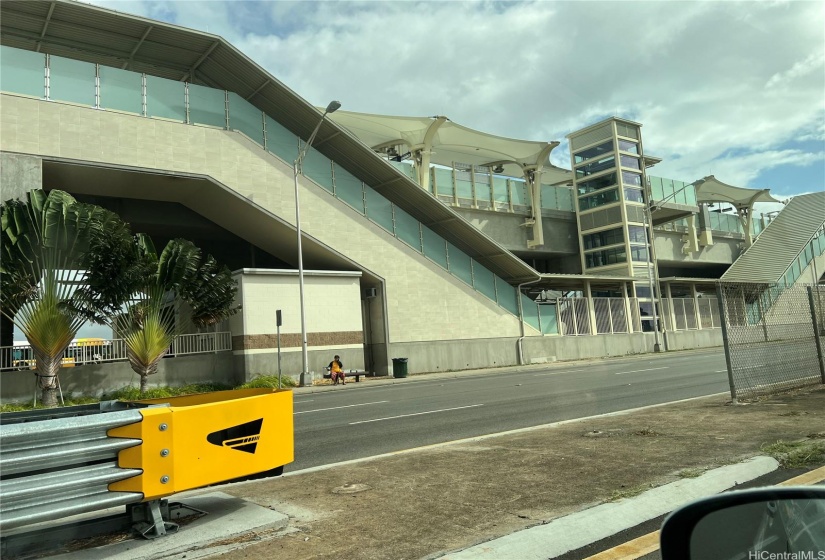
450 143
710 189
108 37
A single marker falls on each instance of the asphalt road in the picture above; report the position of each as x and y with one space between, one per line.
367 420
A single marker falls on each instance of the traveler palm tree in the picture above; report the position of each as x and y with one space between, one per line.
47 243
148 325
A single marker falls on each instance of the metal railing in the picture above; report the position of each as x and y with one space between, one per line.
620 316
21 357
687 314
60 463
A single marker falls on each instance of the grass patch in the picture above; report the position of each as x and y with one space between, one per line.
268 382
690 473
624 493
796 454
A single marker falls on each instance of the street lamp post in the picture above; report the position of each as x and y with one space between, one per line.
296 170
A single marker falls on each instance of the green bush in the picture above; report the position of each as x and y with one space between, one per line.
133 393
268 382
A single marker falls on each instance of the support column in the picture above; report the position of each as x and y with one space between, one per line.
695 295
591 309
671 315
627 309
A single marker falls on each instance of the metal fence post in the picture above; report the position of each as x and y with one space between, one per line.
817 337
723 319
762 318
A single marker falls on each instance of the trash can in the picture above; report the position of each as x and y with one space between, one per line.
399 367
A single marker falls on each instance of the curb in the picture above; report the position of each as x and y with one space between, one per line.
591 525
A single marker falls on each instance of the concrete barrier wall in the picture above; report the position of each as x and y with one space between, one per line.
96 379
689 340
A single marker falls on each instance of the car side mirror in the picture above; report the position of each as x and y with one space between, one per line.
760 524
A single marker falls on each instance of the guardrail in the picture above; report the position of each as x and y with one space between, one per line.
56 465
21 357
61 462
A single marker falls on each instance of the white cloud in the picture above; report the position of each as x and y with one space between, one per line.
726 86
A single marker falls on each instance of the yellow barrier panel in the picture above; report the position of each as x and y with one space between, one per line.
204 439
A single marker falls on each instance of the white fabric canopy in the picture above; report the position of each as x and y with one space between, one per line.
710 189
451 143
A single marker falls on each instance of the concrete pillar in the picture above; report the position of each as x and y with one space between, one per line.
695 295
591 310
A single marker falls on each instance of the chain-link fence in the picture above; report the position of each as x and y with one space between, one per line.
772 338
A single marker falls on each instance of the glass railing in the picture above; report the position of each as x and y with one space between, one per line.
814 249
464 186
59 79
722 223
672 191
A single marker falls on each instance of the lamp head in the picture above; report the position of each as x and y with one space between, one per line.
333 106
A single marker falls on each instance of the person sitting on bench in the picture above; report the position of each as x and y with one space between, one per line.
336 371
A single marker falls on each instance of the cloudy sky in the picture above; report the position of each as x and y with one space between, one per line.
733 89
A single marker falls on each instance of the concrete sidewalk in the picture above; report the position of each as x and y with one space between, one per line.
438 500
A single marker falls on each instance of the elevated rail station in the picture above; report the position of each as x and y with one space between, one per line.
452 247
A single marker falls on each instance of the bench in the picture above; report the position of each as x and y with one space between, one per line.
356 373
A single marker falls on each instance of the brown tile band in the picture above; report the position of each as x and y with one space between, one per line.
293 340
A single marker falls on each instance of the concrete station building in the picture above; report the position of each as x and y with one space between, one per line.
421 238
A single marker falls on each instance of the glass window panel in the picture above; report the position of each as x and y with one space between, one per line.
506 296
639 254
460 264
630 179
548 197
23 72
520 193
317 167
603 238
690 195
349 188
595 151
627 146
207 106
165 98
72 80
483 188
636 234
530 312
247 118
549 320
680 196
379 209
596 184
407 229
634 195
565 199
464 185
435 248
594 166
599 199
656 188
484 281
500 190
630 161
605 258
281 141
121 90
444 181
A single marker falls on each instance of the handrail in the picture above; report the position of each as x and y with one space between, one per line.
21 357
